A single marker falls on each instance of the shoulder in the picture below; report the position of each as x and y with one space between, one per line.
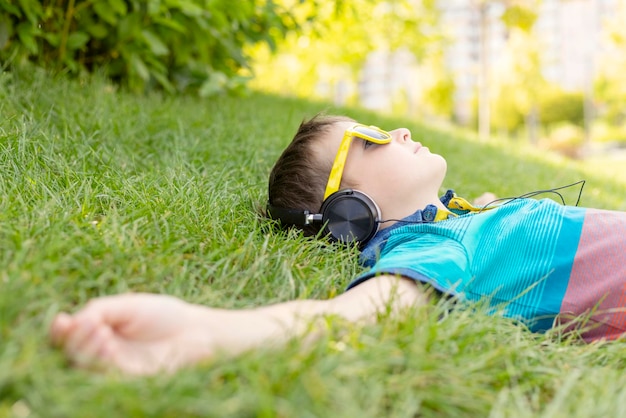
414 246
423 257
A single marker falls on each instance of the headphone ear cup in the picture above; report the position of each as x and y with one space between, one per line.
350 216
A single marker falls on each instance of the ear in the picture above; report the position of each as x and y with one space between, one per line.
350 216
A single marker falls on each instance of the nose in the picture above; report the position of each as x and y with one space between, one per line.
401 135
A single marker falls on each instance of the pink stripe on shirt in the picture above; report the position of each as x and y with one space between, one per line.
597 285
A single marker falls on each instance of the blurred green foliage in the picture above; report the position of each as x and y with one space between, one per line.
519 15
177 45
335 38
553 107
557 105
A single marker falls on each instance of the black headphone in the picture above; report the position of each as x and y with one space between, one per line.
347 216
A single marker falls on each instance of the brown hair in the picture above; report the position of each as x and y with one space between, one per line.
299 176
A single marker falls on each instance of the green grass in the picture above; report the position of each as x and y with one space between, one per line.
103 192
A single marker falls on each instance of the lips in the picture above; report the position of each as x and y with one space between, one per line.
418 147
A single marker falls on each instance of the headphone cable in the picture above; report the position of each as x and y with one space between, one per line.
508 200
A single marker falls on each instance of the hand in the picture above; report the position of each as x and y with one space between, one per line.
135 333
484 199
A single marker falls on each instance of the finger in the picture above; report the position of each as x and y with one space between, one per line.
138 359
60 327
118 310
96 349
134 365
82 331
138 315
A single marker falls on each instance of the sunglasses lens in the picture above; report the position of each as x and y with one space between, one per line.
372 133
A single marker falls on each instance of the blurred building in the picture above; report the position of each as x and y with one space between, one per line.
570 32
464 22
572 37
384 76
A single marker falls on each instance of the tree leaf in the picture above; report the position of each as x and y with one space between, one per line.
26 33
214 84
171 23
154 7
154 43
104 11
119 6
77 40
189 8
5 31
520 17
52 38
139 67
98 31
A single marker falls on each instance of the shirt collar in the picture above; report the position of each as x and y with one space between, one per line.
456 205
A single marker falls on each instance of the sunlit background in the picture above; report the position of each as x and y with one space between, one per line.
547 72
543 74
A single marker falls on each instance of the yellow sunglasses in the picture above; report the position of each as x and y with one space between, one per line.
367 133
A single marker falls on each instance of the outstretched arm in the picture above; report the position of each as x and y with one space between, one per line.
146 333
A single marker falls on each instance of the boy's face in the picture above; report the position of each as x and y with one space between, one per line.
401 176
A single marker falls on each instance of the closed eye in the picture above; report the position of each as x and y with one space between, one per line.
367 144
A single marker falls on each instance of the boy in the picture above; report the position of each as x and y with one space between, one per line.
541 262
